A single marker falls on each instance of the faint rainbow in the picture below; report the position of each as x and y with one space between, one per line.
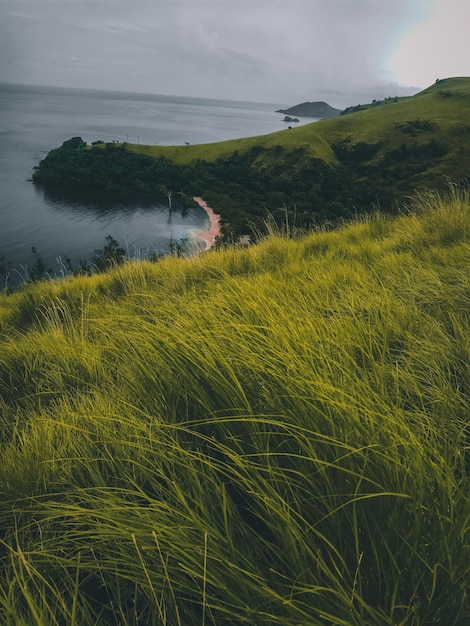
418 14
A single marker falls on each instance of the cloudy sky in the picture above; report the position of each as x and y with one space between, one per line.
282 51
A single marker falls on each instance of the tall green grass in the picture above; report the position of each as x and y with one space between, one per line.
271 435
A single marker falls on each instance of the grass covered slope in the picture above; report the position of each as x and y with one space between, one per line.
447 102
428 134
272 435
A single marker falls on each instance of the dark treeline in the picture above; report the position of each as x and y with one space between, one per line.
109 168
242 192
245 187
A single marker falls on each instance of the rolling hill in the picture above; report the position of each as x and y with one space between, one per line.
321 171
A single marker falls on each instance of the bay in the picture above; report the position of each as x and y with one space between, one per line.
34 120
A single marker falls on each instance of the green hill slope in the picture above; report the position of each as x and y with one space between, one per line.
379 155
271 435
446 102
320 171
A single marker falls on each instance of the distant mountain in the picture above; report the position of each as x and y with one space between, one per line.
312 109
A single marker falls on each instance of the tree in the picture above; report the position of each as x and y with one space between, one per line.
112 254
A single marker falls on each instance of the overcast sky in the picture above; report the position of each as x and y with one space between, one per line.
280 51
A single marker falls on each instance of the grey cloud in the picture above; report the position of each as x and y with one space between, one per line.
248 49
126 28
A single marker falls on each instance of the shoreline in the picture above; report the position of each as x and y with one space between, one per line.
207 236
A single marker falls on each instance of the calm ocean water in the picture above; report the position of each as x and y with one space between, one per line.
33 120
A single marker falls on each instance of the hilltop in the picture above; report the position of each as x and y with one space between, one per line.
267 435
320 171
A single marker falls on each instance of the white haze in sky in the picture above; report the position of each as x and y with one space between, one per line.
283 51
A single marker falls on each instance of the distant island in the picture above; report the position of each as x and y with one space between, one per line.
312 109
288 118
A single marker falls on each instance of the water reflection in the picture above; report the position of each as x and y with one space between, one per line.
76 223
72 224
103 205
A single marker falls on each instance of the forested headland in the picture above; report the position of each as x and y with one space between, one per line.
320 172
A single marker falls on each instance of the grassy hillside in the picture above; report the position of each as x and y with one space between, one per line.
385 151
317 172
271 435
446 103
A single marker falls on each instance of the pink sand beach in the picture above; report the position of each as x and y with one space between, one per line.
208 236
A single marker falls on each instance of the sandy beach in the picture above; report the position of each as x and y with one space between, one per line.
208 236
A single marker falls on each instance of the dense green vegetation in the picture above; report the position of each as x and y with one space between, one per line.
315 173
270 435
240 192
108 168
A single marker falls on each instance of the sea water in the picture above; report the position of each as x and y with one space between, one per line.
34 120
